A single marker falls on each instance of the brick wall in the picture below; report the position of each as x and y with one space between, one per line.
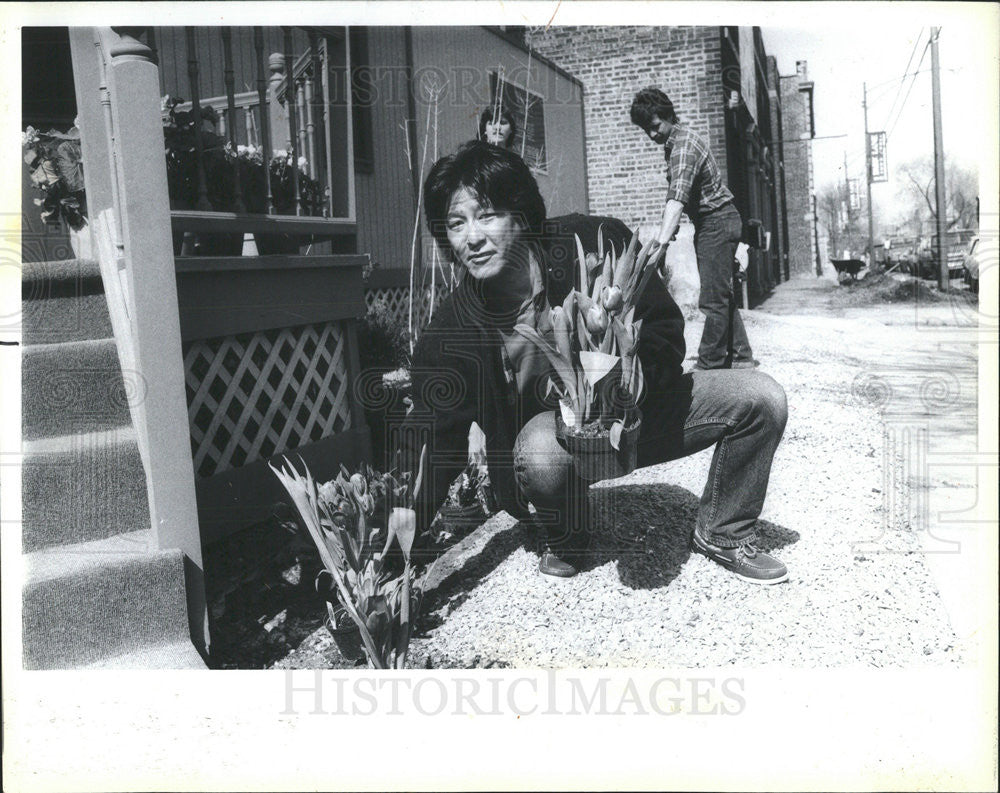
777 152
625 169
798 172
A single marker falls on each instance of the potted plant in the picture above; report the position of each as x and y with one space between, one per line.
598 374
56 166
180 149
354 522
282 173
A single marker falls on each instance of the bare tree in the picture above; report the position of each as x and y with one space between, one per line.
916 194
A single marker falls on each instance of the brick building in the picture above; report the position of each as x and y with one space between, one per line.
722 84
798 129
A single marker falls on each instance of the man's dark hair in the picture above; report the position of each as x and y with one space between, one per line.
497 177
651 102
487 118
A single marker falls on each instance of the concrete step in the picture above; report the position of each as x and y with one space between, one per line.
63 301
78 488
74 387
91 603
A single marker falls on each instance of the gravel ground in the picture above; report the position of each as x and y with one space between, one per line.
859 590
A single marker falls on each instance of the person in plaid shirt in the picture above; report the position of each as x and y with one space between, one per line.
694 186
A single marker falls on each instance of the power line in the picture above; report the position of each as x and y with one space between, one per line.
899 114
899 88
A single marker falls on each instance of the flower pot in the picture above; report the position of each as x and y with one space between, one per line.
81 241
218 244
345 633
275 243
594 458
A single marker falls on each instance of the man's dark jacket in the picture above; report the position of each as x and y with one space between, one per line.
459 376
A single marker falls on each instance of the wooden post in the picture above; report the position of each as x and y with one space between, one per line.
278 114
940 202
293 131
201 202
133 83
265 117
316 114
227 49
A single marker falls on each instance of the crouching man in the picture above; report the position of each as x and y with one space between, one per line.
486 214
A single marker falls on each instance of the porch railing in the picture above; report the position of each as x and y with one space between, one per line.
240 358
293 104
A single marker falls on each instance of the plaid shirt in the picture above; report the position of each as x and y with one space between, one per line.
693 176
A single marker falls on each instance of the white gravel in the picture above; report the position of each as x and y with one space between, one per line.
859 593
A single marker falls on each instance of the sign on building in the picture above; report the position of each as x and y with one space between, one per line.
878 166
854 188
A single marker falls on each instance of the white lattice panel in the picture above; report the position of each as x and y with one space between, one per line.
255 395
398 301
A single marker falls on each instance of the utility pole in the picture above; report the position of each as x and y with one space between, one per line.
938 162
847 207
868 180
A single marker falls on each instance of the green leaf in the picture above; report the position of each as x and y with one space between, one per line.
420 472
403 525
615 435
582 262
70 163
597 365
562 366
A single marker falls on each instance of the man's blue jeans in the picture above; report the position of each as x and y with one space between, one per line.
742 411
724 339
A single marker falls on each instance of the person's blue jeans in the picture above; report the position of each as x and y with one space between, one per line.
724 340
743 412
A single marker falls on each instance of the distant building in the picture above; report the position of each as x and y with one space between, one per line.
798 129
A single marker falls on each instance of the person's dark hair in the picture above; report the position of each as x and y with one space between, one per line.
499 179
651 102
487 117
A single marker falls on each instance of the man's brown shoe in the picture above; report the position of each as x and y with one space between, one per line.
745 560
551 564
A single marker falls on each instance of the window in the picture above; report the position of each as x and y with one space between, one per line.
526 108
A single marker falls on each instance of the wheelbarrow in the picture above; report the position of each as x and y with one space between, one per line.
847 269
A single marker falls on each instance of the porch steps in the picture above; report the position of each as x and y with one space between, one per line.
97 592
103 462
63 301
73 386
89 602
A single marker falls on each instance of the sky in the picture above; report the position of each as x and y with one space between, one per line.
845 44
841 58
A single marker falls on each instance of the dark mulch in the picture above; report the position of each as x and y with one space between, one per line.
263 602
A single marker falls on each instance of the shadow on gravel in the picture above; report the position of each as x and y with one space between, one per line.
647 529
455 587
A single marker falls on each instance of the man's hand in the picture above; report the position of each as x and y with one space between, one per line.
659 253
743 256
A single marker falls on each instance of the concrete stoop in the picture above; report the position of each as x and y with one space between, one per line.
97 592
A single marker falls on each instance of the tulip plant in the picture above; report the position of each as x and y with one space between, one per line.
595 336
345 519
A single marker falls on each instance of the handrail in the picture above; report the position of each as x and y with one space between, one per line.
126 183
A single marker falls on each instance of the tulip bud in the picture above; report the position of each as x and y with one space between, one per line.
596 319
611 298
359 484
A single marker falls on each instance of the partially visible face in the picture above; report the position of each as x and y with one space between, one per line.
498 133
485 240
658 130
